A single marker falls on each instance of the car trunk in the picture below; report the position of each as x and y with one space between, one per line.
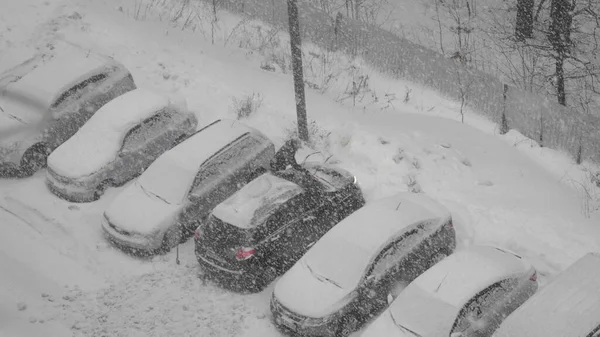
218 242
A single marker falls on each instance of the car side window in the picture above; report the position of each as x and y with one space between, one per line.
226 159
388 259
78 88
481 303
141 133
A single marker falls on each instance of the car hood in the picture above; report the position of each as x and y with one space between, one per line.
419 311
137 211
307 294
384 326
253 203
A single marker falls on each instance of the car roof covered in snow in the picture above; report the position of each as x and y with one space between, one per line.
198 148
430 304
377 222
458 277
67 66
253 203
568 306
97 142
369 229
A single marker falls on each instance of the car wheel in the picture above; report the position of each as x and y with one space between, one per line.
34 159
101 188
171 239
348 325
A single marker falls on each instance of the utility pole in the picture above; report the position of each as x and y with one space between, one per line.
296 45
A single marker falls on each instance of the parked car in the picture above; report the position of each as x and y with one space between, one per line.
264 228
161 208
466 294
568 306
46 99
346 277
118 143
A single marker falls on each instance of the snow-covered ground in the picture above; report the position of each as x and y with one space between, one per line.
60 276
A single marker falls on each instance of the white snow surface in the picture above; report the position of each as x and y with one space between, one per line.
467 272
253 203
152 214
99 140
568 306
502 190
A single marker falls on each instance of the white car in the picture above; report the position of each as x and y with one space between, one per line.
467 294
46 99
180 188
347 276
118 143
568 306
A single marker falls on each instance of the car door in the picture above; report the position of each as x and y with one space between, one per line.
159 133
275 238
484 312
135 156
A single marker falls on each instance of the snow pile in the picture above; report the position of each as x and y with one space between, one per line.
97 142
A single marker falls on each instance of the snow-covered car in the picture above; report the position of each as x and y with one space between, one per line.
162 206
263 229
46 99
467 294
345 279
118 143
568 306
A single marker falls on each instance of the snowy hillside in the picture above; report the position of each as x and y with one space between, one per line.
60 276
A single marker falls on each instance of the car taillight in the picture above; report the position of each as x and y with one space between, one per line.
533 276
244 253
196 234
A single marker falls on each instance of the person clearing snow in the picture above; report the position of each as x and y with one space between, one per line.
287 156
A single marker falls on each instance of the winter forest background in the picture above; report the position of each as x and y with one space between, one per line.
529 65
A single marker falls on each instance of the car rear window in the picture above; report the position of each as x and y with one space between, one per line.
220 234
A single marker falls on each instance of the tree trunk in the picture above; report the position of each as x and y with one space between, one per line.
296 48
524 25
560 81
559 36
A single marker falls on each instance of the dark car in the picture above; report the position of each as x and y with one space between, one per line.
352 272
263 229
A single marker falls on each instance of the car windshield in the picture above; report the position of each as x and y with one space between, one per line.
338 262
167 181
